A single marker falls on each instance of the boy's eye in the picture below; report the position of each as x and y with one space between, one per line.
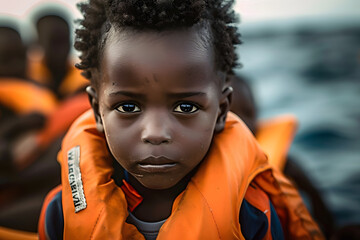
128 108
186 108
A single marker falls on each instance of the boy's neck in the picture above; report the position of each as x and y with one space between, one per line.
157 204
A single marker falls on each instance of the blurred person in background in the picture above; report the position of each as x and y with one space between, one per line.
275 136
12 52
50 61
304 59
18 95
36 119
23 188
24 106
20 99
243 101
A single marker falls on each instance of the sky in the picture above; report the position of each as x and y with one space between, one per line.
262 10
251 11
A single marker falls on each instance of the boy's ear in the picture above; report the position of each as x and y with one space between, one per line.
225 103
95 106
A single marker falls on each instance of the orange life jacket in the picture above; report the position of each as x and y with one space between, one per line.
275 136
24 97
57 123
38 71
94 207
61 119
13 234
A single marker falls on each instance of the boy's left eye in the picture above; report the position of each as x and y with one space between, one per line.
128 108
186 108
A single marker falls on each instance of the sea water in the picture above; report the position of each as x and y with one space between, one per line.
312 70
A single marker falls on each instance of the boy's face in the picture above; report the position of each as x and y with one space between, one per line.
159 101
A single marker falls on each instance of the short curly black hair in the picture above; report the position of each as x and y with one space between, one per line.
157 15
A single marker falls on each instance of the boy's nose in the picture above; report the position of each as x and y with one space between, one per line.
156 129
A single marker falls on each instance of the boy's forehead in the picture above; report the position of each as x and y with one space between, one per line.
171 48
186 56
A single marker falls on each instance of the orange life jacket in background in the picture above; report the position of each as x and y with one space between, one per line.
275 136
57 123
94 207
12 234
61 119
38 72
24 97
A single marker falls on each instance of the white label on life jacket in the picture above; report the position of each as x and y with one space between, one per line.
76 184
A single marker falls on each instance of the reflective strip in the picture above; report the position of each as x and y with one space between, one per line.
75 182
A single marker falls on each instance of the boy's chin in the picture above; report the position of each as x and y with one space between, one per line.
157 184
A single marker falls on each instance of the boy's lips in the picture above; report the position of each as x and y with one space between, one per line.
156 164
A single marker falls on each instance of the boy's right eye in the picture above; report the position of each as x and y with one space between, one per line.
128 108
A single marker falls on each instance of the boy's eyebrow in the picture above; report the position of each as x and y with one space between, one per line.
172 95
186 94
128 94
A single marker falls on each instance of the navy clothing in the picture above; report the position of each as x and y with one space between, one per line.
276 228
254 223
54 219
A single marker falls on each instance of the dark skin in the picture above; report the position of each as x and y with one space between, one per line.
159 100
12 54
243 103
54 38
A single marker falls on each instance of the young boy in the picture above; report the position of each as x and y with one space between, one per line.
163 159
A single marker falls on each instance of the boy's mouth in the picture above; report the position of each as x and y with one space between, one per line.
156 164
